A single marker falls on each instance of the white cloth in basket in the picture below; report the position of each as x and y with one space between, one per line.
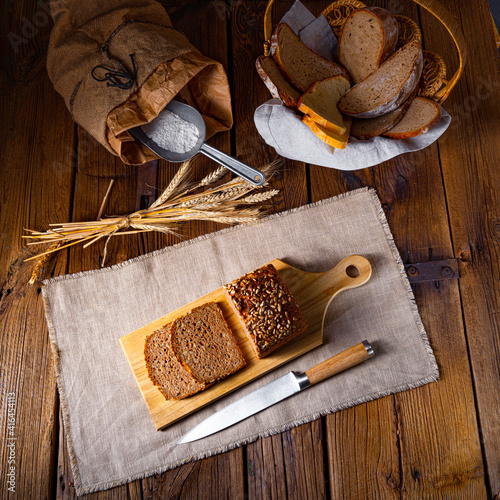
284 130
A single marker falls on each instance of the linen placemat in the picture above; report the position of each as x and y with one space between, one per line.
110 434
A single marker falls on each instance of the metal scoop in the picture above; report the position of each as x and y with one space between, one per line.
191 115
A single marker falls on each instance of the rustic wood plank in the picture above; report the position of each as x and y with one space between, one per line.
35 186
367 436
204 23
411 192
301 445
469 156
412 195
212 478
446 413
447 462
96 167
266 468
249 92
288 465
28 389
39 150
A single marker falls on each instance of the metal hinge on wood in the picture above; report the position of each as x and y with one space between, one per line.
432 271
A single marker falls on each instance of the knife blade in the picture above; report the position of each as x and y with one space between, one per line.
277 391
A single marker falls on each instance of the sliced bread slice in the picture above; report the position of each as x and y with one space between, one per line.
165 370
274 80
422 115
366 128
387 87
202 341
338 141
300 65
368 36
320 102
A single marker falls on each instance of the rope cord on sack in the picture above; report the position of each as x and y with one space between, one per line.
120 79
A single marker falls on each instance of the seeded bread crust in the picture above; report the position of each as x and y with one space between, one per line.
367 128
371 98
299 64
203 343
269 314
362 48
164 369
422 115
276 83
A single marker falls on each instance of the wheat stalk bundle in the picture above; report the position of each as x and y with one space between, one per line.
229 203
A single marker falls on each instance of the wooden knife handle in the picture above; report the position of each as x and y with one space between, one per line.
340 362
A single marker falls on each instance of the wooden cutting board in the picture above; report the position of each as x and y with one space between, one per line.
313 292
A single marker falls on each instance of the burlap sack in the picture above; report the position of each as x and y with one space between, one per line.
118 63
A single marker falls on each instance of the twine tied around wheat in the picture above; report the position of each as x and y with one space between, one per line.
234 202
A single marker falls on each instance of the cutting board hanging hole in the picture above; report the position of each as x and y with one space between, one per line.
352 271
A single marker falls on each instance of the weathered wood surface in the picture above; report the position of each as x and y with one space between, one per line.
471 175
438 441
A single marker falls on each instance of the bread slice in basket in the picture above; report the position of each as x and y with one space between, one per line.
338 141
387 87
299 64
368 36
422 115
274 80
366 128
320 103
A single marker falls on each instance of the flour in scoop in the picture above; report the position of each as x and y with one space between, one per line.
172 133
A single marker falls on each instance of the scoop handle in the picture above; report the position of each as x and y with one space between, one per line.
241 169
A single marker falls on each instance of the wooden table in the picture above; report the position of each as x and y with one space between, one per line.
439 441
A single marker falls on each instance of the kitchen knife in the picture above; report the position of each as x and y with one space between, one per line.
277 390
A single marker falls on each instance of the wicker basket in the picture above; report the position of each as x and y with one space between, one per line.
433 83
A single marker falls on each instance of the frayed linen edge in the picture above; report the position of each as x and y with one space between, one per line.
80 490
269 432
207 236
62 393
405 282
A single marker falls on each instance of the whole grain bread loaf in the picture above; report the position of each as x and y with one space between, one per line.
165 370
368 36
274 80
203 343
422 115
387 87
299 64
269 314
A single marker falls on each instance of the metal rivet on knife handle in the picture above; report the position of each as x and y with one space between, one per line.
340 362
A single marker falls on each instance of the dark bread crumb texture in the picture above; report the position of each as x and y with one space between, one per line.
202 341
269 313
164 369
298 63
